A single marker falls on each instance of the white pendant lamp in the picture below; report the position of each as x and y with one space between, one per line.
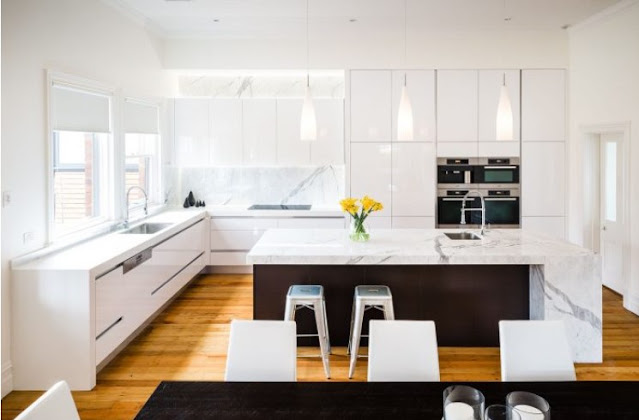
504 114
308 123
405 111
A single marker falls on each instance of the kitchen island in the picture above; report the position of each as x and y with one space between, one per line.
465 286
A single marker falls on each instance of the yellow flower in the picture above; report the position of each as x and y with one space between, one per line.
377 206
349 205
367 203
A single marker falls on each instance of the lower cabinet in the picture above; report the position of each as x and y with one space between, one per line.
233 237
413 222
552 226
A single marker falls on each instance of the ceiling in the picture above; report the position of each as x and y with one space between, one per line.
280 19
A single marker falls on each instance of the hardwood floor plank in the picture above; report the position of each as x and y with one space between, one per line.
188 341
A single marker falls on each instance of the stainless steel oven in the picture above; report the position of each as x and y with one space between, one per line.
502 208
497 172
455 172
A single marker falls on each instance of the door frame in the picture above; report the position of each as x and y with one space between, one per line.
591 137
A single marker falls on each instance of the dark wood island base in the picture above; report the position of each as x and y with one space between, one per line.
465 301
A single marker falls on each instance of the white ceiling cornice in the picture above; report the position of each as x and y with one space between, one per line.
607 12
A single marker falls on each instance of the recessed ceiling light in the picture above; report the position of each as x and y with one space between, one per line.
216 20
566 26
352 20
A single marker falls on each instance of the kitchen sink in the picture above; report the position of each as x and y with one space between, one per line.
463 236
147 228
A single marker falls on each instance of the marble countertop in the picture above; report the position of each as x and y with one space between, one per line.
243 211
409 246
104 252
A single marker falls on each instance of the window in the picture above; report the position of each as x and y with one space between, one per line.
81 163
142 154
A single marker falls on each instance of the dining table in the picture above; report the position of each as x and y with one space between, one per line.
578 400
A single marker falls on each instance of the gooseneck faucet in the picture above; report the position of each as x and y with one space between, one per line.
482 209
146 202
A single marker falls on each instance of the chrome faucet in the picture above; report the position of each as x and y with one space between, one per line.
482 209
146 202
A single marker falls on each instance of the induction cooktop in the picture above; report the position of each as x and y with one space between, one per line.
280 207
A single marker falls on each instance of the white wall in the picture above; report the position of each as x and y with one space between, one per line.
477 49
604 89
81 37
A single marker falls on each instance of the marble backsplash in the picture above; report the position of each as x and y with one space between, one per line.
316 185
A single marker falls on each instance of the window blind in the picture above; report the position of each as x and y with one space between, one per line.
77 110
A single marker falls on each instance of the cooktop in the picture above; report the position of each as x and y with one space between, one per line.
280 207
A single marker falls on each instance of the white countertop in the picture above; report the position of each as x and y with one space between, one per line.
103 253
408 246
243 211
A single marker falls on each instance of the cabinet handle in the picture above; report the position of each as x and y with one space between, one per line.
117 321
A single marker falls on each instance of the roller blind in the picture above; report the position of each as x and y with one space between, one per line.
77 110
140 118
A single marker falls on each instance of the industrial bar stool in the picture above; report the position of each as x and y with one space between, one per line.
365 298
311 297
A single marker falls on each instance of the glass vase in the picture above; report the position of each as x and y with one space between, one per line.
358 232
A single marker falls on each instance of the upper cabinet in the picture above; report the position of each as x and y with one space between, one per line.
259 131
226 131
457 105
370 106
328 149
192 132
420 85
290 149
543 105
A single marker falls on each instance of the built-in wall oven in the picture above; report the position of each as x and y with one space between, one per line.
497 179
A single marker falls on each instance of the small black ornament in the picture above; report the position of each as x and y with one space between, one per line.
203 203
191 198
186 203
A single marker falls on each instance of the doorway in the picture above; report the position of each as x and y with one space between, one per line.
605 182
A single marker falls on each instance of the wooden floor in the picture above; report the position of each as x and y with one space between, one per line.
188 341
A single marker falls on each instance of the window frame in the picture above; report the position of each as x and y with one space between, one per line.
103 222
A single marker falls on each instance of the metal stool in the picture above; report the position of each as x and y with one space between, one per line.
365 298
311 297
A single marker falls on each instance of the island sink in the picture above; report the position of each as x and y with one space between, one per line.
462 236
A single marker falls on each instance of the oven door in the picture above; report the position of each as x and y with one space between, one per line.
455 174
498 174
449 210
502 211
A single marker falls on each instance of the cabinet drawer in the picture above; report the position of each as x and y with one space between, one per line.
109 293
171 286
228 258
311 222
111 338
234 240
191 238
242 223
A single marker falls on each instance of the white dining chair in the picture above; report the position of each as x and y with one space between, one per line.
55 404
535 351
263 351
402 351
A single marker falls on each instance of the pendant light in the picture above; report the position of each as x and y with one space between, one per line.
504 121
405 111
308 123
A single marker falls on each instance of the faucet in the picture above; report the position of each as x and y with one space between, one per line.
482 209
146 202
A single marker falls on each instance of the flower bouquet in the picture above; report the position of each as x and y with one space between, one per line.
359 213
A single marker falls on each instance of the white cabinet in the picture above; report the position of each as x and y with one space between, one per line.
370 108
420 85
371 173
543 179
454 149
191 134
311 223
490 82
414 179
328 149
543 105
226 131
259 130
413 222
291 149
552 226
457 106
